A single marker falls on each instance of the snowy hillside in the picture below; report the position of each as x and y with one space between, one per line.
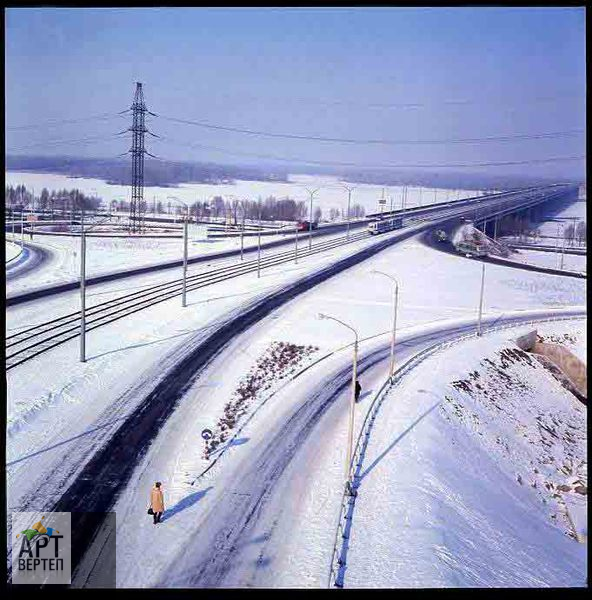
479 480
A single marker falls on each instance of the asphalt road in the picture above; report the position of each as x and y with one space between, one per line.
429 239
221 552
31 258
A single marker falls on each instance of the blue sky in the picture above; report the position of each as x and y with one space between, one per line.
476 72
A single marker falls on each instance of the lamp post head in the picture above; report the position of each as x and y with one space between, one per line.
321 316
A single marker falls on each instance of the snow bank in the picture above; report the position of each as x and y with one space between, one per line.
13 251
465 478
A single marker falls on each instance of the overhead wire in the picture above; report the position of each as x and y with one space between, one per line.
317 138
367 166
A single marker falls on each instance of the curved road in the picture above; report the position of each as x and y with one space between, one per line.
221 552
429 240
214 556
31 257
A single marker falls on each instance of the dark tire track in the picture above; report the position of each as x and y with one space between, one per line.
94 491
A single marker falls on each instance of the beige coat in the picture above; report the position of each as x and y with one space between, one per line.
156 500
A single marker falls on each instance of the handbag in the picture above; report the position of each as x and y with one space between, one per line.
150 511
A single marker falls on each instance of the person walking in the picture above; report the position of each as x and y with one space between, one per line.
157 502
358 390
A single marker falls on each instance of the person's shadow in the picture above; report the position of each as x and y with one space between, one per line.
364 395
186 502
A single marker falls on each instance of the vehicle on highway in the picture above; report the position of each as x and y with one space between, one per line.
470 250
306 225
384 225
441 235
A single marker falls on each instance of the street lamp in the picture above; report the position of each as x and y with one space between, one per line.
349 192
185 225
350 439
259 243
312 193
395 306
479 331
83 283
562 245
242 233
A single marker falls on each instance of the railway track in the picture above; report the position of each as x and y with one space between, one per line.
35 340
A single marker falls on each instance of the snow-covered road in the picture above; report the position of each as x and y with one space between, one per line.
259 518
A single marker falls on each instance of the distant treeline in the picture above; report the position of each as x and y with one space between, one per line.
61 201
269 209
156 173
64 202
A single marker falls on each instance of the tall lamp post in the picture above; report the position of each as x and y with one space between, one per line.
350 437
242 205
394 331
479 329
259 243
312 193
185 236
83 233
349 193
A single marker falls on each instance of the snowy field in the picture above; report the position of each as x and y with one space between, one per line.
12 251
552 260
105 255
565 217
471 463
330 195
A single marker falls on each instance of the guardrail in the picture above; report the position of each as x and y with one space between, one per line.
348 500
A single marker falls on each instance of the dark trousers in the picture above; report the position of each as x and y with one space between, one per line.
157 516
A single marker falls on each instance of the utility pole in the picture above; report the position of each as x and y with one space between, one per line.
82 291
312 193
350 437
185 243
185 239
138 129
259 243
296 244
479 331
242 228
394 330
349 192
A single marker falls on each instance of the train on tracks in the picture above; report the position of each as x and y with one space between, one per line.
383 225
306 225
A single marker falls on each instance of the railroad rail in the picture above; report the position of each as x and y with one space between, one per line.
35 340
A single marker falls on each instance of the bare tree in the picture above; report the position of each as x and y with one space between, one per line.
581 232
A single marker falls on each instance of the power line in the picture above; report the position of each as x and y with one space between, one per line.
375 166
74 141
54 122
504 138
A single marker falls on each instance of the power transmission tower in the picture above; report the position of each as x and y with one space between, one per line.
138 129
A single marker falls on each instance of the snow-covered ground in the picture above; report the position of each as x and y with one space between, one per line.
571 262
331 194
550 229
12 251
53 418
461 483
105 255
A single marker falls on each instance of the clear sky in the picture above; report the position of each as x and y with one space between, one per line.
348 73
